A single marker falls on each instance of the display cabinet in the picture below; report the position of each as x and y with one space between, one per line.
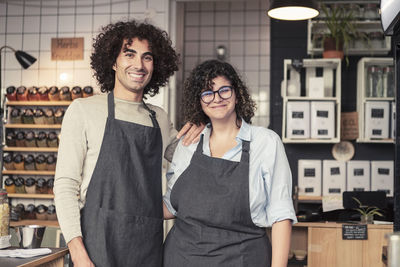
13 125
311 91
375 98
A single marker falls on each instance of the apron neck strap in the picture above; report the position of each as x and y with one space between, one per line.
111 106
245 149
152 115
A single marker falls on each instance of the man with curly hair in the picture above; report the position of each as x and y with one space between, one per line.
111 150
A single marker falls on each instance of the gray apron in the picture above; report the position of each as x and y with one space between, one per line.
213 225
122 220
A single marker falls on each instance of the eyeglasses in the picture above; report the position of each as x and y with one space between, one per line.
224 93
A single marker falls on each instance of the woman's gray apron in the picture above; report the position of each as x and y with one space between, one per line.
122 220
213 225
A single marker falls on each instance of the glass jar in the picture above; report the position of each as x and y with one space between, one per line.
377 39
4 213
388 81
374 82
371 12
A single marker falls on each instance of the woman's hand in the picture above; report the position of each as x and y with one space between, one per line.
79 256
191 132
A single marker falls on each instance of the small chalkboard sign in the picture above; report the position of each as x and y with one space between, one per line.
354 232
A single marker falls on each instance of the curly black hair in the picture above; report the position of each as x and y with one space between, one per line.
108 44
200 79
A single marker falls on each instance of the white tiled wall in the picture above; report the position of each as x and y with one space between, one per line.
243 28
30 25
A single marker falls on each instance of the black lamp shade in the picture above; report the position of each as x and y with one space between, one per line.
293 9
24 59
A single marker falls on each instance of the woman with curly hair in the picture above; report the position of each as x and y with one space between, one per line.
226 189
111 150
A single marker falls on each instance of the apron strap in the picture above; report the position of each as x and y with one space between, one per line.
111 106
245 149
152 115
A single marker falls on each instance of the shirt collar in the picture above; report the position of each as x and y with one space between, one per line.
243 134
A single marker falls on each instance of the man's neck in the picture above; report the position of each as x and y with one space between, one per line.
128 95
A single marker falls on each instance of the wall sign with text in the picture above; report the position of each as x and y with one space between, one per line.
67 48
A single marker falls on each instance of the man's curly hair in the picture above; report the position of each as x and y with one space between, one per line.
108 44
200 79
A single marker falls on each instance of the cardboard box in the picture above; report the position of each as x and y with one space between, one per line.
334 177
309 177
382 176
377 119
298 119
322 119
358 175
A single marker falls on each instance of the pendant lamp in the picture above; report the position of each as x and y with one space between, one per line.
293 9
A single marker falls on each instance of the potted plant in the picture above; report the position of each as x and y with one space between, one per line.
367 213
340 29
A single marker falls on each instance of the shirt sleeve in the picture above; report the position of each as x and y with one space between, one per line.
71 155
180 161
280 203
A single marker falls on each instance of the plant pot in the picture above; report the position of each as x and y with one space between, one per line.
330 49
368 219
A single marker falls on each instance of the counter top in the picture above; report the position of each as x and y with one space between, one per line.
339 225
55 255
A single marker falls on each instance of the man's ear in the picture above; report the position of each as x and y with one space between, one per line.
114 67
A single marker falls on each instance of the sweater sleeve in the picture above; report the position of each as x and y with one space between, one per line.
68 177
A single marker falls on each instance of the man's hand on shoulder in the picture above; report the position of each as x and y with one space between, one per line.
192 133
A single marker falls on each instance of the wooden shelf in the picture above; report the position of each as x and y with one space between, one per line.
35 222
310 141
310 198
32 126
38 103
36 196
18 172
302 98
382 141
30 149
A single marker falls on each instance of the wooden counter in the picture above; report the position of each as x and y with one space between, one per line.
325 246
55 259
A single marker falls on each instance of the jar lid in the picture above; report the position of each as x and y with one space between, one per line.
53 90
30 208
7 158
28 112
30 136
51 209
30 181
21 90
41 208
48 112
29 159
20 207
43 90
10 90
20 135
52 136
88 89
64 90
32 90
40 159
9 181
15 112
51 159
50 182
18 158
38 112
41 136
19 181
41 182
76 90
59 112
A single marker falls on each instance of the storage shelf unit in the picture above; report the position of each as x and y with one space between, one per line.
319 27
32 126
30 149
38 103
49 223
362 99
18 172
311 66
37 196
